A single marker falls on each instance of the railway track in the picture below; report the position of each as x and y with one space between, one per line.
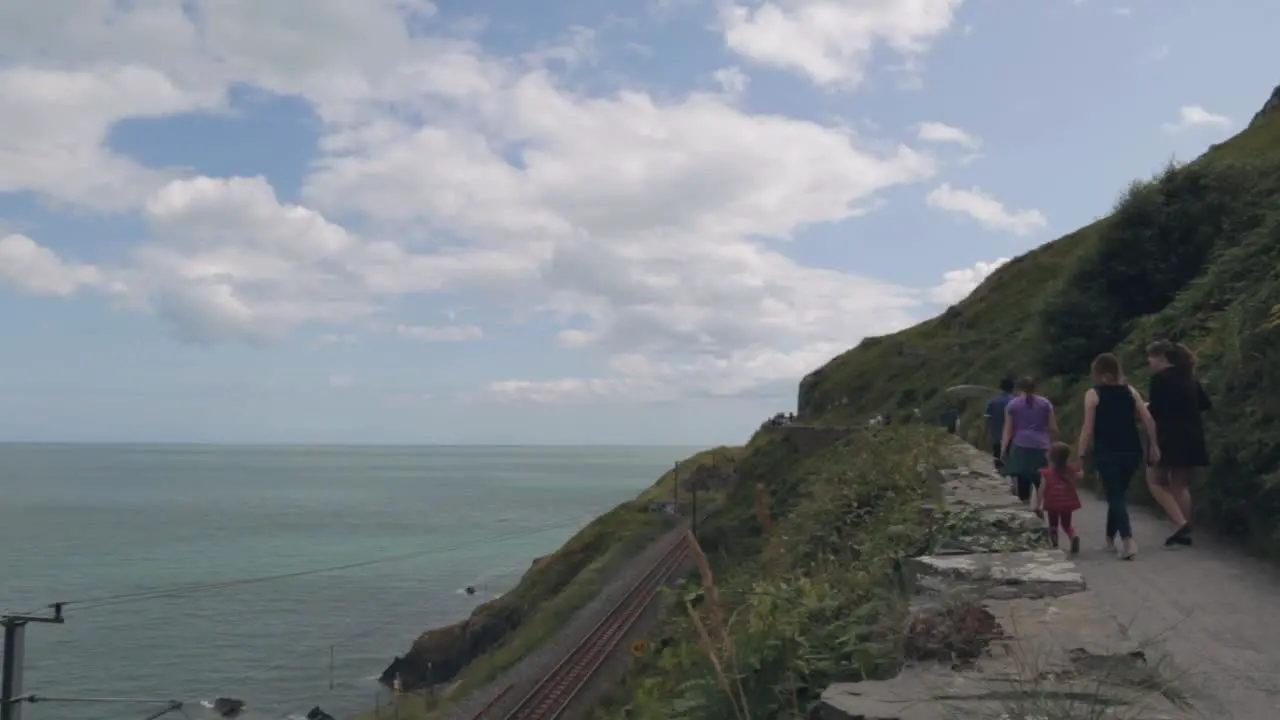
552 695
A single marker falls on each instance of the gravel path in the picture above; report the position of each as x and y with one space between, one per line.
1209 608
534 667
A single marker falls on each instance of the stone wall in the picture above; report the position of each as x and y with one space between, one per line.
1047 650
809 439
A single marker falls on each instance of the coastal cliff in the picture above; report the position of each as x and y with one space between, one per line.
505 629
1191 254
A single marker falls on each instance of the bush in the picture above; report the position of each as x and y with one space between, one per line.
821 603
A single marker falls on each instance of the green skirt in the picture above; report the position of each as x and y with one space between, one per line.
1025 462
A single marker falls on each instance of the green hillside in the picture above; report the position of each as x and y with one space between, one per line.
1192 254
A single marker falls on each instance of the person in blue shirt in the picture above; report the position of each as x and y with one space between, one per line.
995 418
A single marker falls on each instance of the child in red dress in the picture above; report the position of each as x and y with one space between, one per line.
1058 495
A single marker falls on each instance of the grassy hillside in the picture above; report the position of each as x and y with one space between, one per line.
467 654
1192 254
812 595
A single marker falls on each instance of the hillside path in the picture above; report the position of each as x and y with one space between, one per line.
1210 609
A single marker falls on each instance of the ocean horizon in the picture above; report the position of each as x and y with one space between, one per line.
407 528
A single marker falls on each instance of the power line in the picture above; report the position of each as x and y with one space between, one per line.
177 590
342 640
131 701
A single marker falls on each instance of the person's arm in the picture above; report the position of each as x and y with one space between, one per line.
1156 394
1053 422
1205 403
1086 430
1149 423
1007 435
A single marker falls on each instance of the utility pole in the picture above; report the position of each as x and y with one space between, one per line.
695 508
675 484
15 630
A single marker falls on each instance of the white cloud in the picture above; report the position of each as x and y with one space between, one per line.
957 284
988 211
831 42
36 270
56 122
644 226
230 262
447 333
936 132
732 80
1193 117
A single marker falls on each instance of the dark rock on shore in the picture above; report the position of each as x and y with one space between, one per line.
440 654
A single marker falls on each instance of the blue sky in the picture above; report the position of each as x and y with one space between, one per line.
638 221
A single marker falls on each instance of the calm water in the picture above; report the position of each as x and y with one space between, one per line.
83 521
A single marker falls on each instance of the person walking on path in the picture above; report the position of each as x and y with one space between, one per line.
1112 410
995 420
1176 401
1030 425
1058 497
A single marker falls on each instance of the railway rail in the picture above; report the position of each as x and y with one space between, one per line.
549 699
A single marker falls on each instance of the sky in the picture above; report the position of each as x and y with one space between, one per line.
571 222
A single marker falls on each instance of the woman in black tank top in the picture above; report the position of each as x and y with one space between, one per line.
1112 410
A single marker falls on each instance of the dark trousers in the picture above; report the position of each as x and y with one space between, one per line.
1027 483
1116 472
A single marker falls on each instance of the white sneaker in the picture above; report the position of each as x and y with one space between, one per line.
1129 550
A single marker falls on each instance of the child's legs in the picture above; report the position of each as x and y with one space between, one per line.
1055 520
1064 519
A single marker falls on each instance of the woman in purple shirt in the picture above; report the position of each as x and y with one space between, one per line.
1030 426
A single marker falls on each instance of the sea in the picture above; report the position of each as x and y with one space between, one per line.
287 577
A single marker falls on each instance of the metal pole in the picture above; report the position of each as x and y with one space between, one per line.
695 510
675 484
15 629
10 704
330 667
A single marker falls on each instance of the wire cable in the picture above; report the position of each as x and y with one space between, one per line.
176 590
122 598
131 701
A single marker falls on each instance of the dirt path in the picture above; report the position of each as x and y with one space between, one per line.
1210 609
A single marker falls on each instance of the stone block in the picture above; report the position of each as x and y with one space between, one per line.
998 576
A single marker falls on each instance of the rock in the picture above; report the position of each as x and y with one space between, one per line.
438 655
936 693
228 707
1032 574
1270 106
317 714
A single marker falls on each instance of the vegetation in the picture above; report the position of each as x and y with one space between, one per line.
819 597
499 633
1193 255
801 563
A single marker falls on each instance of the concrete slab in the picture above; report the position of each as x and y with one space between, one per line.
1056 658
934 694
998 576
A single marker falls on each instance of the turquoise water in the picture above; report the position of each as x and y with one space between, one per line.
80 522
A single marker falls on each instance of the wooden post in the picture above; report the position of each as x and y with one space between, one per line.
675 477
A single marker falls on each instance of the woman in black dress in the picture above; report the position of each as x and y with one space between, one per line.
1176 401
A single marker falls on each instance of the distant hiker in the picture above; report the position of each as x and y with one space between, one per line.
951 419
1058 497
1030 425
1112 411
995 419
1176 402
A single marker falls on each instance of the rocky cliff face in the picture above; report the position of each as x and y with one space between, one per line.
440 654
1270 106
